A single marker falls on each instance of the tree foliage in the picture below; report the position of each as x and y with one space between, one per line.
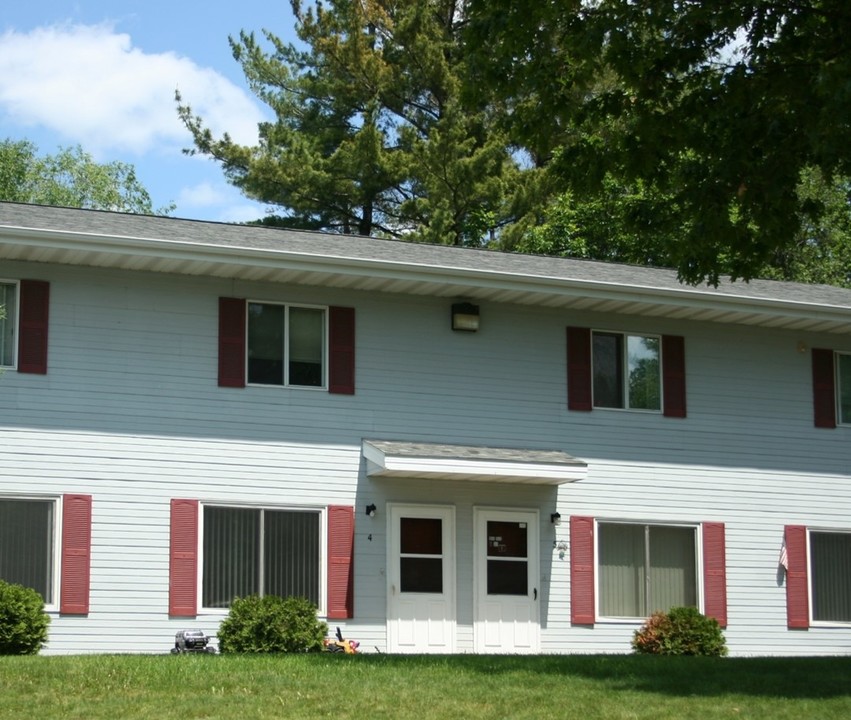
70 178
371 133
718 108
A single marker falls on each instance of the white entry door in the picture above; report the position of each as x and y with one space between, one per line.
507 580
421 579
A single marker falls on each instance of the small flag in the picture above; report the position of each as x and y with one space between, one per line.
784 557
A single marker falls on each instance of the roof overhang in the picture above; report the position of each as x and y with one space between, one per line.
428 461
255 254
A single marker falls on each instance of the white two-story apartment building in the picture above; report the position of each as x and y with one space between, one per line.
447 450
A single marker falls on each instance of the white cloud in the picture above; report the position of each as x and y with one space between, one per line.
217 202
203 194
88 84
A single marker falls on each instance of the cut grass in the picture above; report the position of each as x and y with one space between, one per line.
384 686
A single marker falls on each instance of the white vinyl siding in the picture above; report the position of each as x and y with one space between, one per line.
133 416
8 317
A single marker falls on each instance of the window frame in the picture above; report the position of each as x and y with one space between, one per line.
624 366
325 309
811 577
696 527
14 320
56 551
320 510
840 420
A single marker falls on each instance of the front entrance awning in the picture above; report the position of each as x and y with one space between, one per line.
433 461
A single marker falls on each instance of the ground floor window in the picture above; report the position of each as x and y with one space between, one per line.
830 572
843 373
644 568
8 314
260 551
27 544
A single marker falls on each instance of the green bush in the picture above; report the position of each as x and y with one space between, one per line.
23 622
680 631
271 624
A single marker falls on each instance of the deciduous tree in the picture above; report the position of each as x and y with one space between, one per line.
718 107
70 178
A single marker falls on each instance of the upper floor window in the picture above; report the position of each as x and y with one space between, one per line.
8 315
626 371
286 345
843 375
27 544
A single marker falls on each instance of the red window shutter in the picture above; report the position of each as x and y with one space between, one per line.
824 389
32 335
579 369
76 554
797 582
341 545
582 570
674 375
231 342
341 351
715 572
183 559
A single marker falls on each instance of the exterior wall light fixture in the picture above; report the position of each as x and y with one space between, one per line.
465 317
370 510
555 518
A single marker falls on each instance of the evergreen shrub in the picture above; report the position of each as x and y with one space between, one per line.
271 624
680 631
23 622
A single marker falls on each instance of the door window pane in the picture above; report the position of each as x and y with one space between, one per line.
421 575
508 578
422 536
506 539
508 566
421 557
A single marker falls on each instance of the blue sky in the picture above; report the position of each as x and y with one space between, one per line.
102 74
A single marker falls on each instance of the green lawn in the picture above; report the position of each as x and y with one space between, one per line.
382 686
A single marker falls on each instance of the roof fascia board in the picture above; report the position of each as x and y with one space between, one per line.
684 297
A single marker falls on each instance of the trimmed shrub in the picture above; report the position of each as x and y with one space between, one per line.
23 622
271 624
680 631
